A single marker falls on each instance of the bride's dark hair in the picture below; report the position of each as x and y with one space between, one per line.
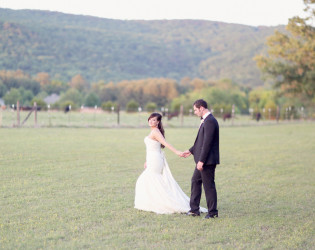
160 125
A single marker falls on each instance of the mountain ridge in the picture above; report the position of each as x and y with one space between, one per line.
64 45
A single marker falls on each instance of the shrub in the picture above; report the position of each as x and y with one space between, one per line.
65 105
270 110
12 96
132 106
91 100
221 109
107 106
289 112
151 107
39 102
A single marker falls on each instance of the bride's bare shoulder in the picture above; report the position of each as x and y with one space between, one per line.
152 133
156 131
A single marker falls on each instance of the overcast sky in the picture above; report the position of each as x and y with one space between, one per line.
249 12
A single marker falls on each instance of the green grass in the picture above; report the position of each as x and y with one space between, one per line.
67 188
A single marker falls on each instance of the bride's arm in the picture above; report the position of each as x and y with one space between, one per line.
160 138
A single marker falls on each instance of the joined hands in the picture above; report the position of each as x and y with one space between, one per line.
184 154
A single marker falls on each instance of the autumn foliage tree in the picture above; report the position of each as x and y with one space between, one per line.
78 82
157 90
291 56
43 78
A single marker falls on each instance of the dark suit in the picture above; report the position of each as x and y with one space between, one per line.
206 150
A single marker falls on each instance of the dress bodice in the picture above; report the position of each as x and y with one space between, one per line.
152 145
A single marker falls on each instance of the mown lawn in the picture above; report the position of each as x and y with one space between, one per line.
67 188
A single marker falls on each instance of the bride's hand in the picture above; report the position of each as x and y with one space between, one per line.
145 165
179 153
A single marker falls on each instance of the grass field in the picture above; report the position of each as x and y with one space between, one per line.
68 188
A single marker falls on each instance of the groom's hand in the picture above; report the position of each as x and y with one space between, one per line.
200 165
186 153
182 154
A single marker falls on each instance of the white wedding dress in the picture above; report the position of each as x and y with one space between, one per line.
156 189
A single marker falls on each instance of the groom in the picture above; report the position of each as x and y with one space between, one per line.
206 155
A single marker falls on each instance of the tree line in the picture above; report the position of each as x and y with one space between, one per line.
150 94
288 67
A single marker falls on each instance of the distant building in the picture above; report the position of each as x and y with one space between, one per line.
51 99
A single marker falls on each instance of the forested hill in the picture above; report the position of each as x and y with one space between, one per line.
113 50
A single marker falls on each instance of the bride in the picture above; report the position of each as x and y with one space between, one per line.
156 189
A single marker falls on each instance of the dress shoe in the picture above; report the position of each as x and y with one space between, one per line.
208 216
192 214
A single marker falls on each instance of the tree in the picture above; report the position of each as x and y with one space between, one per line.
73 96
68 105
270 109
30 85
198 84
17 79
291 56
184 85
109 106
132 106
79 83
12 96
39 103
92 100
27 96
55 86
106 92
151 107
43 78
3 89
259 97
220 95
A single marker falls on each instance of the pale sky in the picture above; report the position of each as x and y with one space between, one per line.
249 12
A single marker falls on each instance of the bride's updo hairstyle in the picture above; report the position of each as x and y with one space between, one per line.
160 125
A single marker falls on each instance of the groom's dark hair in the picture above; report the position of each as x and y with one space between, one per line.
201 103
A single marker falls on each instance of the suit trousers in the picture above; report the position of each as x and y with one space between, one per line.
205 178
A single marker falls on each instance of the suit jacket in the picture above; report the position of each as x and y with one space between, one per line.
206 146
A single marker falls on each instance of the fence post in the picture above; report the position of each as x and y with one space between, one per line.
139 117
35 114
18 113
69 107
49 118
233 111
95 110
181 115
118 113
